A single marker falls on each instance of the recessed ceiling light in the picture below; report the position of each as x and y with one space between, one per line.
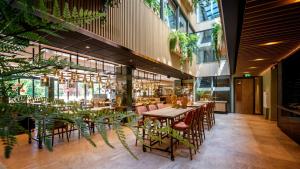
271 43
252 67
258 59
87 47
291 1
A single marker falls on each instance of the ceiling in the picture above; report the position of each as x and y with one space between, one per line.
270 32
98 47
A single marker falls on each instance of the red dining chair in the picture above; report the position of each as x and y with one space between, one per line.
161 105
139 110
187 127
152 107
207 116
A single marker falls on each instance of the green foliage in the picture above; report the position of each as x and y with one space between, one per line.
183 43
217 38
154 4
56 9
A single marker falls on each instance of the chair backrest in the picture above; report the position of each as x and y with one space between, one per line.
189 117
160 105
152 107
141 109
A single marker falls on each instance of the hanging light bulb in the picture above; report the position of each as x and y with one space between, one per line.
61 79
90 83
45 80
56 73
84 79
72 83
108 82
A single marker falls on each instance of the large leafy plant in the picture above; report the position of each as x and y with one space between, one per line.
154 4
183 44
217 39
19 28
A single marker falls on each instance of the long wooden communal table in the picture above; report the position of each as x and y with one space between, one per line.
169 114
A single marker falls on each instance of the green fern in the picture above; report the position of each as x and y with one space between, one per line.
56 9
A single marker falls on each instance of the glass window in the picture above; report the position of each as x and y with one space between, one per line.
222 81
63 91
182 23
96 88
206 54
40 91
204 82
55 89
89 93
207 11
170 14
81 90
27 88
204 36
72 93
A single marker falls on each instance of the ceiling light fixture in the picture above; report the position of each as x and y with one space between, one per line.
271 43
87 47
258 59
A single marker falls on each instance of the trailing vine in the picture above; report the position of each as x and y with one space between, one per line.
217 39
183 44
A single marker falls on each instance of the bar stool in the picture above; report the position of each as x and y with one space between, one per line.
187 127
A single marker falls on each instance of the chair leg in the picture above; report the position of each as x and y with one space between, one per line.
190 148
67 133
62 133
53 137
136 140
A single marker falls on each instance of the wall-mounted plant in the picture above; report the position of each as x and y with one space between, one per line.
218 40
183 45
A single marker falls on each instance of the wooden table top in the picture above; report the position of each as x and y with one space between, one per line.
101 108
197 104
167 112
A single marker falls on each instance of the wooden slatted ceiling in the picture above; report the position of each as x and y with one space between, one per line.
268 21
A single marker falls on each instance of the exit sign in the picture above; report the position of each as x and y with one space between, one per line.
247 75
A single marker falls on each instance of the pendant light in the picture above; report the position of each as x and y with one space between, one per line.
45 81
56 73
91 83
108 82
84 79
61 79
72 83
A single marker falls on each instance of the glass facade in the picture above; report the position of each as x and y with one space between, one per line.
207 11
205 53
170 14
215 87
182 27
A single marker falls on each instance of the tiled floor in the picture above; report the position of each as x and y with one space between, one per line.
236 142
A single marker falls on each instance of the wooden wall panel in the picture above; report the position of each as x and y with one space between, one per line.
133 25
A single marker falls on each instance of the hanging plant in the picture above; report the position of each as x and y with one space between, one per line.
183 45
154 4
218 40
109 4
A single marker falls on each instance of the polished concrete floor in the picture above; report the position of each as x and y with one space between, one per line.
235 142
